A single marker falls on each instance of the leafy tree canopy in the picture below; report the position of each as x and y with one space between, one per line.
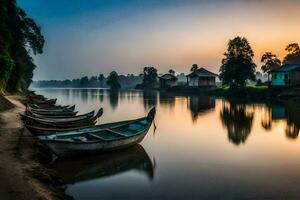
270 61
293 56
171 71
238 65
20 36
149 77
194 67
113 81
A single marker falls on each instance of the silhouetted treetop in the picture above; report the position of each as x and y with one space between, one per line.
194 67
270 61
238 65
113 80
293 56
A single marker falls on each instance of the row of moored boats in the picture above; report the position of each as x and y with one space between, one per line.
65 132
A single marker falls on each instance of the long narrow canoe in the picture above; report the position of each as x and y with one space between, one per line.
100 138
49 107
52 113
83 168
42 102
85 119
68 109
61 117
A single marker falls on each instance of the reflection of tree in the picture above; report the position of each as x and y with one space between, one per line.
84 95
114 98
101 95
293 121
237 121
292 131
200 104
149 98
266 121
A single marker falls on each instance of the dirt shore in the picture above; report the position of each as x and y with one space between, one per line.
22 175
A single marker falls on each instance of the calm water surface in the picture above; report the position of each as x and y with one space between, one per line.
202 148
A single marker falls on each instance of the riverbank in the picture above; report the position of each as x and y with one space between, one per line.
23 175
248 92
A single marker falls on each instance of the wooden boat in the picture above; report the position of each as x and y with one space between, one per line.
60 117
68 109
42 130
100 138
85 119
49 107
83 168
52 113
42 102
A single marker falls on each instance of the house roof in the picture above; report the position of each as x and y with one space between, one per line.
202 72
168 77
286 68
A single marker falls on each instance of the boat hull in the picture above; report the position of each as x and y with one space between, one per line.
63 149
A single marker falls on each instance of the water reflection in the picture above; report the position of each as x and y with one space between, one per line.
282 111
72 171
200 105
150 98
167 100
113 98
199 157
237 120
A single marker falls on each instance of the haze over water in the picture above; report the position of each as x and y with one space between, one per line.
203 147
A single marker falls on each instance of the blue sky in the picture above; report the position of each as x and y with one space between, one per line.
88 37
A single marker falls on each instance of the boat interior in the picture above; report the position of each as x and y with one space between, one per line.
108 134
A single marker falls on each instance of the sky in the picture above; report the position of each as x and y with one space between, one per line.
89 37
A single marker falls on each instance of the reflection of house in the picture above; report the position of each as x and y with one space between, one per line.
278 112
200 104
167 81
201 77
286 75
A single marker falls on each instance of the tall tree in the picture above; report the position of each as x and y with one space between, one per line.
238 65
270 62
101 79
150 77
113 81
6 62
24 37
194 67
293 56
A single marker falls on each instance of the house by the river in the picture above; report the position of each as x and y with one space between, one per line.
167 81
201 77
286 75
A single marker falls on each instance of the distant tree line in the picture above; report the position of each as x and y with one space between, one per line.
20 37
128 81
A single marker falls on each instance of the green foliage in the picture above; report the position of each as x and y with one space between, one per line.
293 56
270 61
237 66
113 81
19 37
149 77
